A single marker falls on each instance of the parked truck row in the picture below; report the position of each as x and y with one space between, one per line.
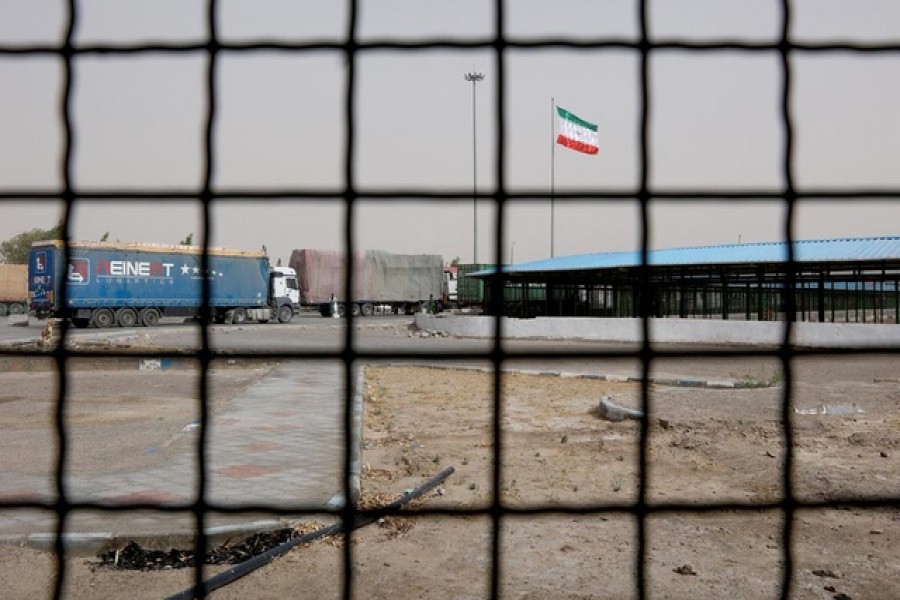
136 284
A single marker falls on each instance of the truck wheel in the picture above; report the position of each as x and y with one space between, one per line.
103 318
367 310
285 314
126 317
149 317
342 310
354 309
17 309
239 316
3 310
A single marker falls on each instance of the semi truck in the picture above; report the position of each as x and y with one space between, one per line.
383 283
136 284
13 289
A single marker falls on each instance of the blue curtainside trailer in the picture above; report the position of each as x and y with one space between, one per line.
137 284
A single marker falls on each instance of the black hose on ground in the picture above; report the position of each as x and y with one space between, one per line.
239 570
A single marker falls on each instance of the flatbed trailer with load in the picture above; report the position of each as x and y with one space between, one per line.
131 284
13 289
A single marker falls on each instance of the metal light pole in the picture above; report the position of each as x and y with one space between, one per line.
474 78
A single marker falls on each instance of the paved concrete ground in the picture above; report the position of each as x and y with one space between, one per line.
280 443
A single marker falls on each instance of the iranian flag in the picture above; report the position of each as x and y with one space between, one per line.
576 133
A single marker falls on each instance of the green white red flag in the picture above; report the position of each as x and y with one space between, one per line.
576 133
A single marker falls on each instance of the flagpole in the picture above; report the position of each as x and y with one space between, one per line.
552 170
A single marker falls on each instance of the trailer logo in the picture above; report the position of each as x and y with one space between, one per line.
133 268
79 271
40 262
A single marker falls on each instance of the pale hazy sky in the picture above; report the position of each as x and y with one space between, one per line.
715 122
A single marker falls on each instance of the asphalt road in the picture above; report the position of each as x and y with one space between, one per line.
395 337
305 333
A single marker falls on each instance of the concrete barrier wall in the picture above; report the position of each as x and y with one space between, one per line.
689 331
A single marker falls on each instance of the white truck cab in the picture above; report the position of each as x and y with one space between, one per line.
284 293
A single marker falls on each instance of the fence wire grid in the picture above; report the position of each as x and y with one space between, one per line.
644 46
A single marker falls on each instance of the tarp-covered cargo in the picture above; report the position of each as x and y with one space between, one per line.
378 276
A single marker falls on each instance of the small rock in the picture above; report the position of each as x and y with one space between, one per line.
876 532
842 596
769 454
685 570
829 588
664 423
612 412
882 454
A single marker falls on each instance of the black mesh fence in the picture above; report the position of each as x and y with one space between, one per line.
644 47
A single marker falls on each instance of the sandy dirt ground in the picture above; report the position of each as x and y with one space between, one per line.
705 446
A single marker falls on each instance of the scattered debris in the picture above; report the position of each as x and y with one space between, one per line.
50 334
825 573
685 570
831 409
133 557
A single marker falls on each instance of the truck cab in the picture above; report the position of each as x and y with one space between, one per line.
284 293
449 292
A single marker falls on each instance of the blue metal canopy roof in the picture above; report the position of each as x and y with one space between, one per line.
805 251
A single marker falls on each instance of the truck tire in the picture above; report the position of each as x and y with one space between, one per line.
16 309
367 310
149 317
354 309
3 310
126 317
239 316
285 314
103 318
